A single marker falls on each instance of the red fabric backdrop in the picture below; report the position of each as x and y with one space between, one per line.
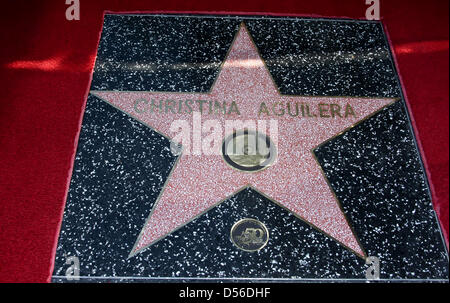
46 64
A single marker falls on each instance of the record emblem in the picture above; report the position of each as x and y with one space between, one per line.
248 150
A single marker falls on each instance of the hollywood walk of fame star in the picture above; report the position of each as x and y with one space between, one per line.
295 181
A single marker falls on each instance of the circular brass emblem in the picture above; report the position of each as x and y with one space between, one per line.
249 235
248 150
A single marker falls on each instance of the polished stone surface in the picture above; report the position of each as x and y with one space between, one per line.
122 165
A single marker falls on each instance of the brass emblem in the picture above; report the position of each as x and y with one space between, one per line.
249 235
248 150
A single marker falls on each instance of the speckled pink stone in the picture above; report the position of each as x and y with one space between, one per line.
295 181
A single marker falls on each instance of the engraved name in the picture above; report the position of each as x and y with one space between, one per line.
293 109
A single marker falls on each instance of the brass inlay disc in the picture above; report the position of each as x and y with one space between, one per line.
249 235
248 150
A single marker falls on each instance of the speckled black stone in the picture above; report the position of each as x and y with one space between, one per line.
326 58
203 248
304 56
119 170
377 176
175 54
121 165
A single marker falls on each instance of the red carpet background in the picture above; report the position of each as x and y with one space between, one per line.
45 68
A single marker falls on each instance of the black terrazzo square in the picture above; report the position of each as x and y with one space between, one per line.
122 164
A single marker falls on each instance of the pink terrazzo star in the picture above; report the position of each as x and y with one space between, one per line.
295 180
